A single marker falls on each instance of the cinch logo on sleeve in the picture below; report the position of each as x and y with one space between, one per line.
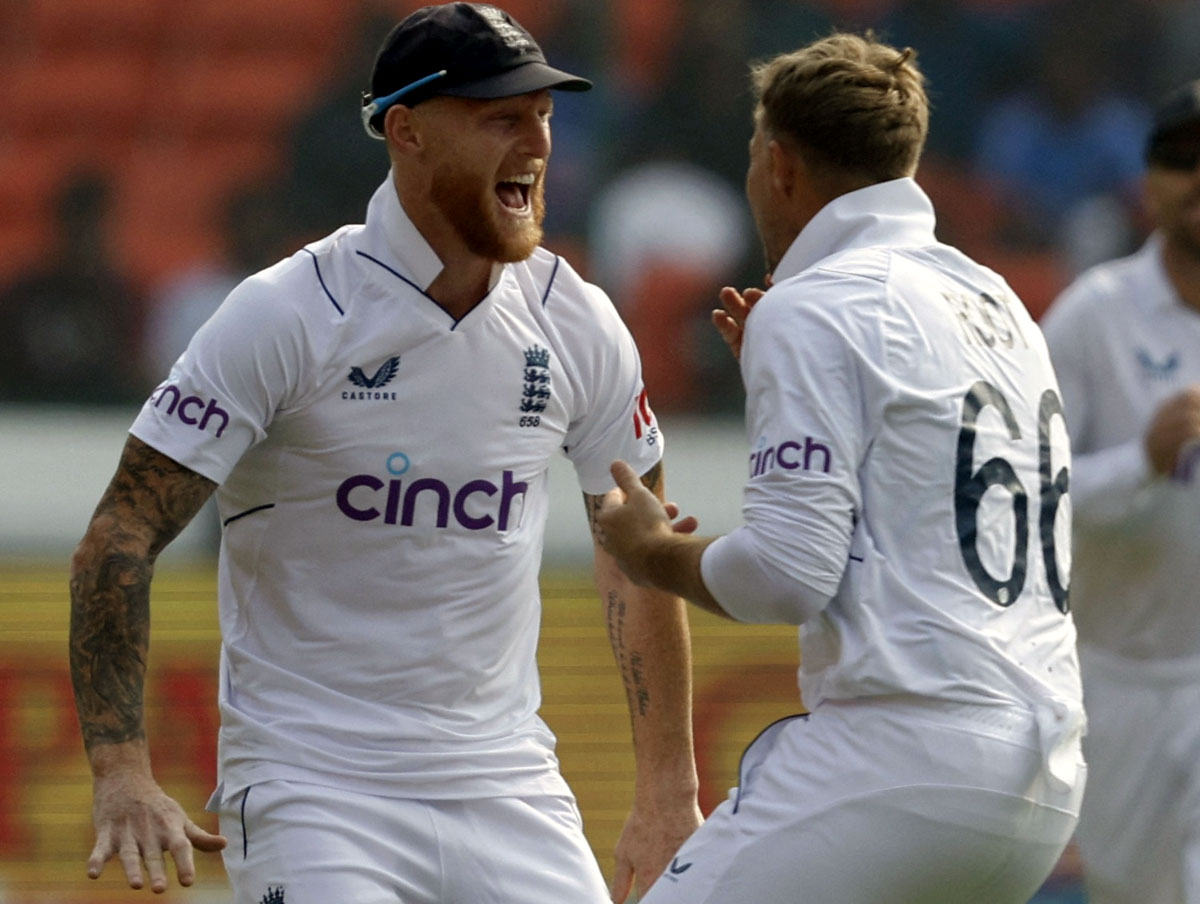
192 410
790 455
476 505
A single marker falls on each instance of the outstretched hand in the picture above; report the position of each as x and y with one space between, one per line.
730 318
633 521
136 822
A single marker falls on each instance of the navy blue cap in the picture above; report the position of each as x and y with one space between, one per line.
460 50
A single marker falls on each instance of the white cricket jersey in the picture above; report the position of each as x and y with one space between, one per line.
1123 342
905 502
383 490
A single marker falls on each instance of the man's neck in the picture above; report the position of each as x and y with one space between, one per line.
464 281
1183 270
465 277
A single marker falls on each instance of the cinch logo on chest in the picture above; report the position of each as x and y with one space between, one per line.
473 505
192 410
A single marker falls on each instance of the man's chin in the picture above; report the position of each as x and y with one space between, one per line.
507 242
516 248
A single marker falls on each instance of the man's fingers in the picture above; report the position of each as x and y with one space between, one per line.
131 862
622 883
102 852
734 303
726 325
683 525
181 853
626 477
202 840
156 869
751 297
730 331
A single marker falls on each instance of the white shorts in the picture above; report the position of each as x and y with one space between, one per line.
295 843
879 802
1139 830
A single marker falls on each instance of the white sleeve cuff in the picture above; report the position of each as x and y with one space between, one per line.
752 589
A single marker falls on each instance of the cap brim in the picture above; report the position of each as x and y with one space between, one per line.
520 80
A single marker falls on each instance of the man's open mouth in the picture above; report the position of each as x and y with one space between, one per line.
514 192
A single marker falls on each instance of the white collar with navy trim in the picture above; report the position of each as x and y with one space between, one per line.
393 238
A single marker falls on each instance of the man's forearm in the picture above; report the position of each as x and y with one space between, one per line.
109 641
147 504
649 636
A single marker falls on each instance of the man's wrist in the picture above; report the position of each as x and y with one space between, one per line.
109 759
673 564
658 793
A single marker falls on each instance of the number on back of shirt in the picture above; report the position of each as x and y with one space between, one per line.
971 483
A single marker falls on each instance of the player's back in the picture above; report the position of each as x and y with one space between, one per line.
955 588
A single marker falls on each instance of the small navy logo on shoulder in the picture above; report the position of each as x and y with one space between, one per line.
1158 370
535 392
274 895
371 387
677 868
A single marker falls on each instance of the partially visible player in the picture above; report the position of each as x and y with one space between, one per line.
906 506
377 414
1125 338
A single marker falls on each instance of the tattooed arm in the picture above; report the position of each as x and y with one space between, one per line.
149 501
649 636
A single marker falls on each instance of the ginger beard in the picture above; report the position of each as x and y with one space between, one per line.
475 209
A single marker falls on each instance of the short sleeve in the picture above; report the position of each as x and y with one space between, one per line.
221 395
613 418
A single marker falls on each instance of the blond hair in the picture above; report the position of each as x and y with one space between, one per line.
851 103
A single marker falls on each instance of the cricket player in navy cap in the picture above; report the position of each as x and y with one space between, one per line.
377 414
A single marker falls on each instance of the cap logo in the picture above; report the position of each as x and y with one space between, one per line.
512 37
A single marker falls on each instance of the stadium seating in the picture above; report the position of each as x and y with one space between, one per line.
177 102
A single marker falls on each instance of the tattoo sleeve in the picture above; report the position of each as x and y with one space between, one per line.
149 501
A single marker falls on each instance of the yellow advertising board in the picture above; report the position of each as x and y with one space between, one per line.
745 678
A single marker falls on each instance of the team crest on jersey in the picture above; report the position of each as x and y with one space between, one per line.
371 386
1158 370
274 895
535 391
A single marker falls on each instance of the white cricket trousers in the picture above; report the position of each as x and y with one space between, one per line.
296 843
1139 830
866 802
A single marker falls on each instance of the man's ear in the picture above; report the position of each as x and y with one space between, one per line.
785 168
402 128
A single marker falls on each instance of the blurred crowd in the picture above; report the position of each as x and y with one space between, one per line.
1040 114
